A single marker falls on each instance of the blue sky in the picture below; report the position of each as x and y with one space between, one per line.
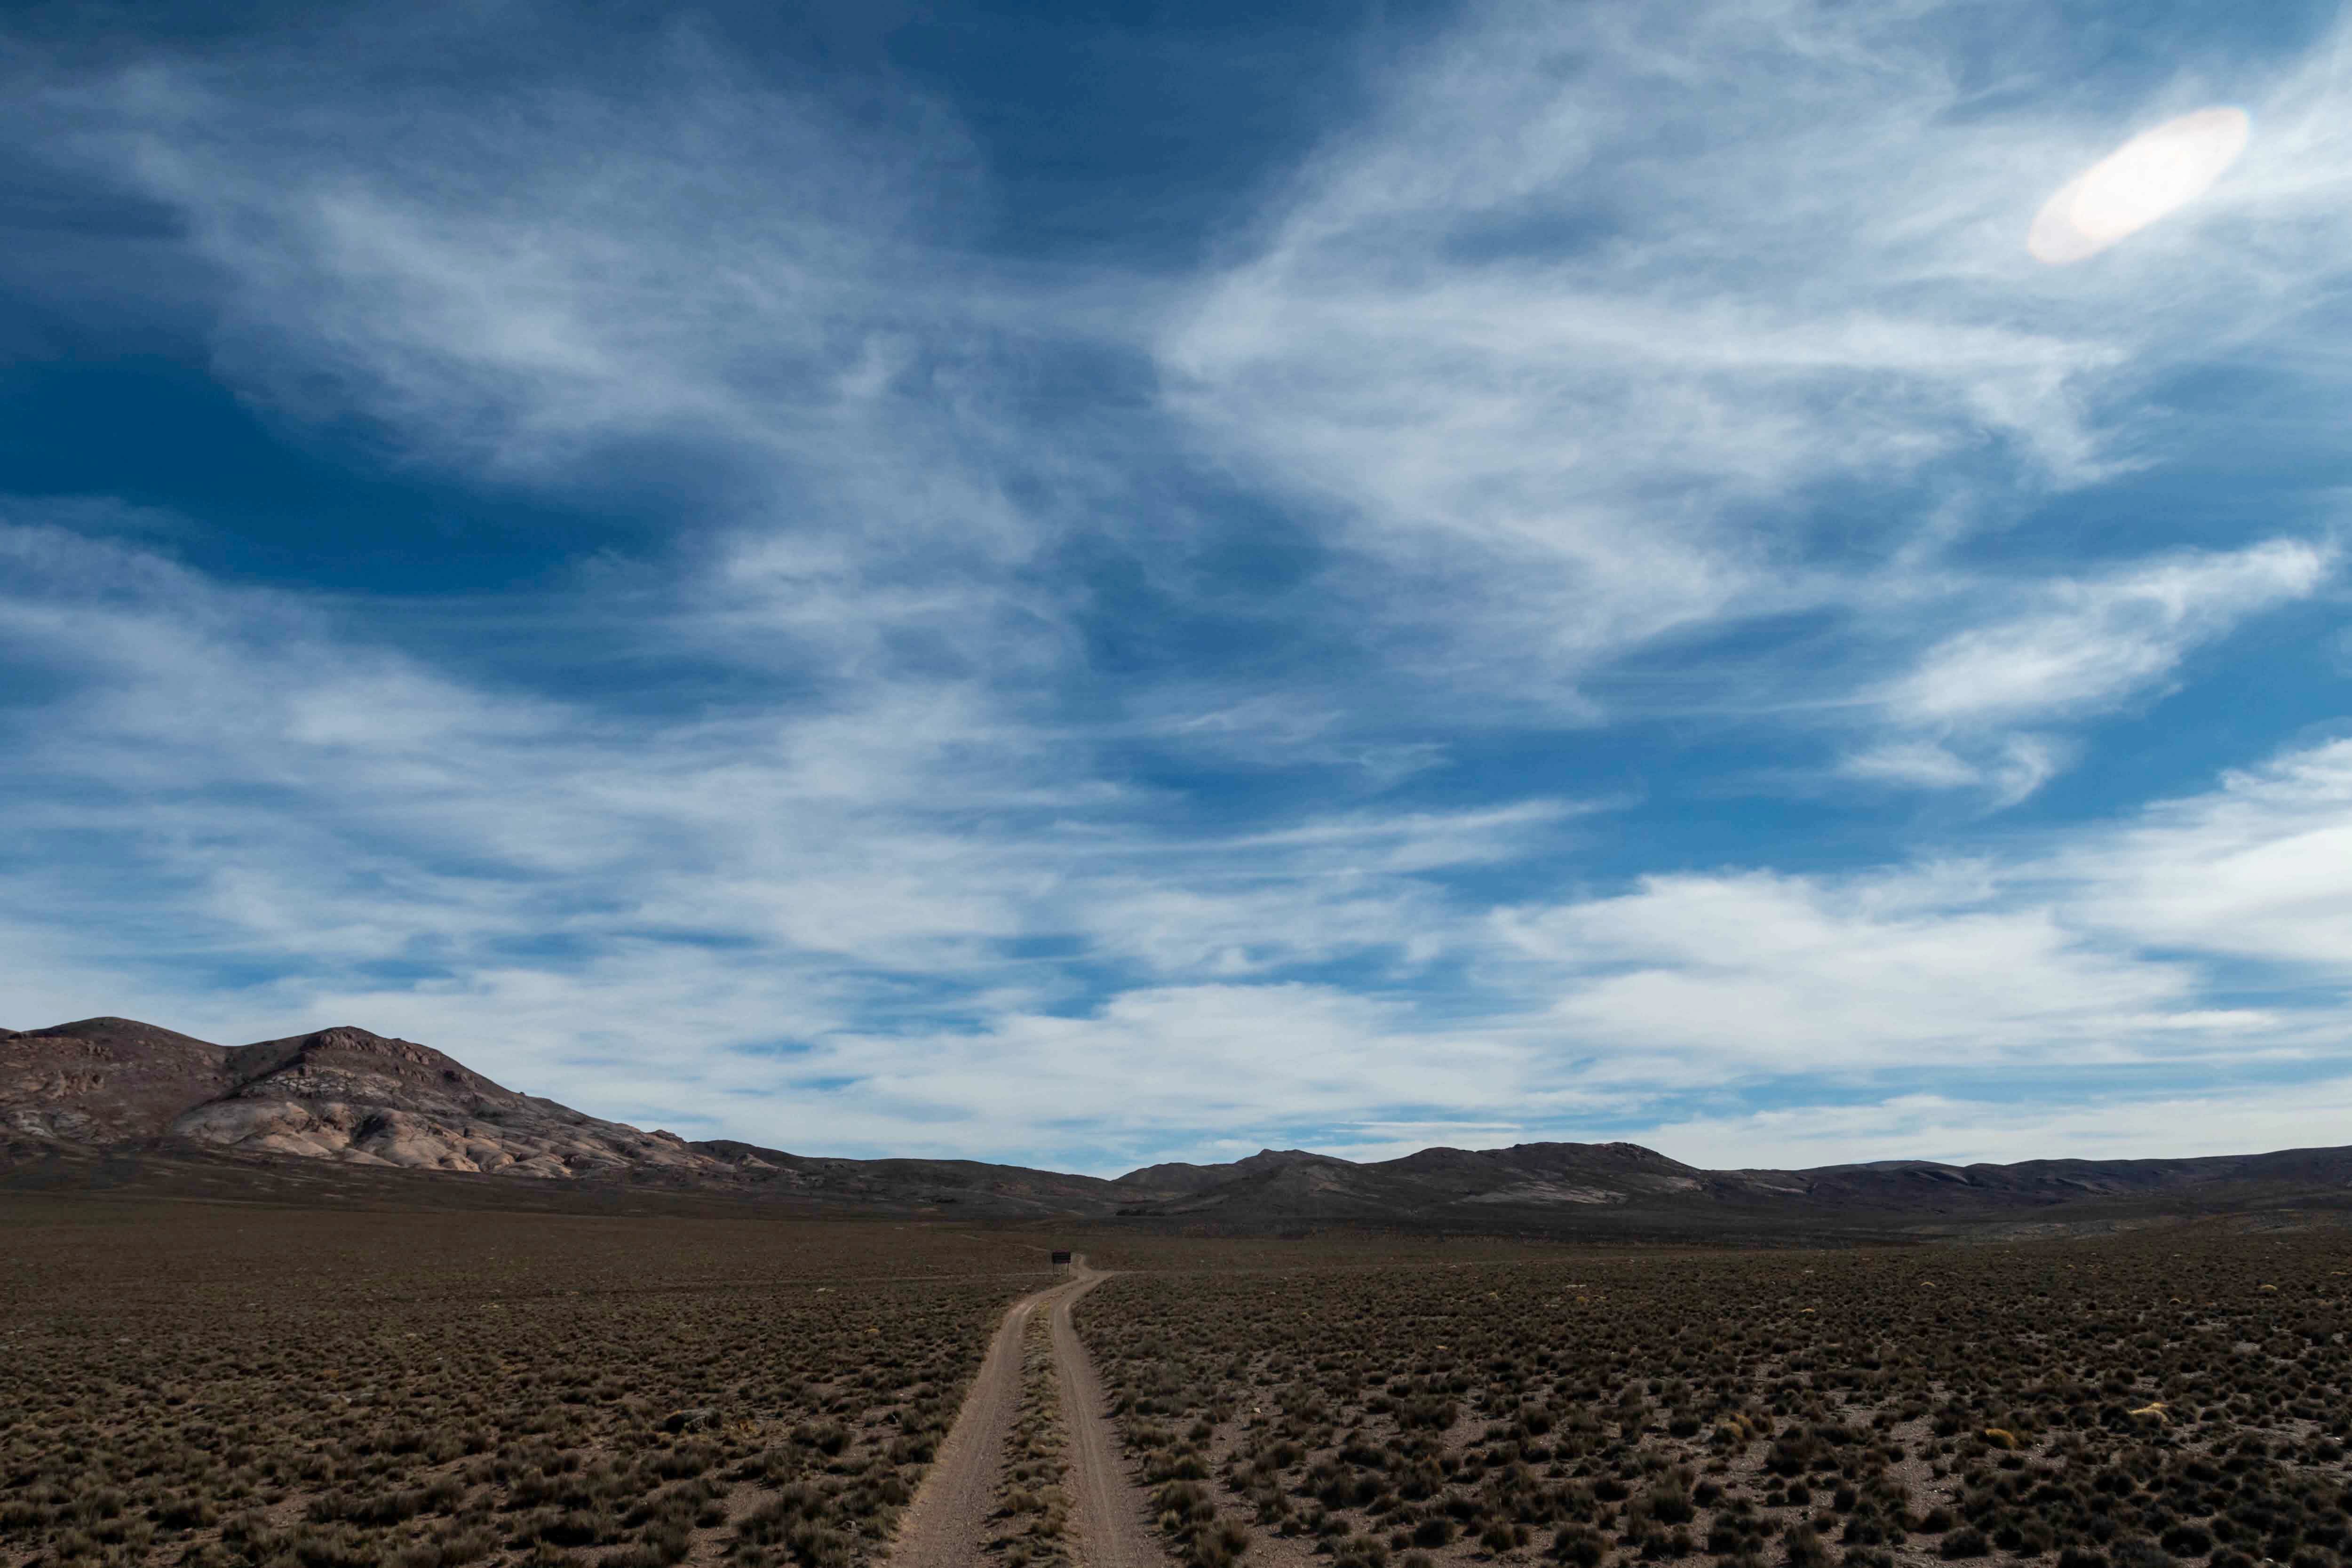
1086 584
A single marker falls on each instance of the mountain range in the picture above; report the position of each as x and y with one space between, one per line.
347 1098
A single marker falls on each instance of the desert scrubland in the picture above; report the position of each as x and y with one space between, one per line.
214 1385
189 1383
2182 1395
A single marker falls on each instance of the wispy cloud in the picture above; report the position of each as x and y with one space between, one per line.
1039 711
2257 869
2088 644
1606 329
693 926
2070 647
1793 975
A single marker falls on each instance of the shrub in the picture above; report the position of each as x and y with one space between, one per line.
1803 1548
1580 1545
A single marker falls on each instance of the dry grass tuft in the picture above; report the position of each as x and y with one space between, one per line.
1033 1510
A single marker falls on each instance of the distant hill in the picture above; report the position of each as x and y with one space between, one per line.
1179 1177
1603 1186
113 1089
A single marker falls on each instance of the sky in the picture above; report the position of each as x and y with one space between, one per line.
1082 584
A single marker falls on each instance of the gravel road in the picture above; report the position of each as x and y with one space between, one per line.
944 1525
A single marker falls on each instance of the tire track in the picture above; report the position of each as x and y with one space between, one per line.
946 1525
1107 1506
947 1522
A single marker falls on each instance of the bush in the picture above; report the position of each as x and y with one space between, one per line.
1803 1548
1580 1545
2188 1539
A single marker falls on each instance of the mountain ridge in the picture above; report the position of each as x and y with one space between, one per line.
345 1096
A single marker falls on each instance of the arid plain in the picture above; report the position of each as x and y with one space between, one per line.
299 1386
339 1301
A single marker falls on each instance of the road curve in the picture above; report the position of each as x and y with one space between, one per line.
946 1523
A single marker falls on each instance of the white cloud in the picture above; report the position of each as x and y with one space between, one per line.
1956 1131
1763 974
2118 950
2260 868
1605 329
2067 647
656 247
2088 643
1198 1056
1558 352
1563 324
2006 768
783 929
615 910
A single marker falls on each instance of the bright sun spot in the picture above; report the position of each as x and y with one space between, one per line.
2156 173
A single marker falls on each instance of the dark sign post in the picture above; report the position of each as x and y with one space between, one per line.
1061 1258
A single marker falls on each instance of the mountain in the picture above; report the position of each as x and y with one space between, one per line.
351 1098
1624 1186
924 1183
114 1089
342 1094
104 1080
1477 1188
1177 1177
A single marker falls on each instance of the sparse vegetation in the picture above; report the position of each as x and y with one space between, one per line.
211 1386
2123 1404
1033 1520
208 1386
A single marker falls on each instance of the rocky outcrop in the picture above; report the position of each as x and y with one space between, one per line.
342 1094
103 1080
361 1133
349 1095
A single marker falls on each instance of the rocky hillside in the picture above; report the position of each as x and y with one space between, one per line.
347 1096
341 1094
354 1098
104 1080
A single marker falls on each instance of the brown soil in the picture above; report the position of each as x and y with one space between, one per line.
1108 1510
946 1525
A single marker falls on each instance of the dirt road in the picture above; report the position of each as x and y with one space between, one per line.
1105 1505
948 1520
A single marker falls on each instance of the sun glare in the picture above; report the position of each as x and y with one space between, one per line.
2155 174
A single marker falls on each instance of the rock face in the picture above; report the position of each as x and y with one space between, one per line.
341 1094
346 1094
